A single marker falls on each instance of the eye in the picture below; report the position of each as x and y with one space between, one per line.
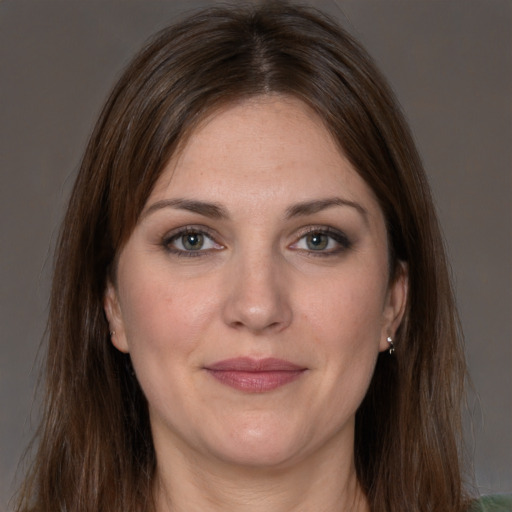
324 241
318 241
190 242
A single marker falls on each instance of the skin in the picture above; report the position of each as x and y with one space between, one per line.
261 285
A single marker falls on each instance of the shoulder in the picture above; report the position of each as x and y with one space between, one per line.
495 503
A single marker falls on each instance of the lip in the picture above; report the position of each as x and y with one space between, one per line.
255 375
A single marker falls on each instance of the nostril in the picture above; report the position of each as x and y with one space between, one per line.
267 316
257 299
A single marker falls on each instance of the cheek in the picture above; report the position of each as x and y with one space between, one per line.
348 310
162 315
163 323
345 321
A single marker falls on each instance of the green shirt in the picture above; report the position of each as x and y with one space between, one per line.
495 503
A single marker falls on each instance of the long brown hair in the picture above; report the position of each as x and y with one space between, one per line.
95 451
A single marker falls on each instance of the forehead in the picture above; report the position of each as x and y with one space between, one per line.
272 144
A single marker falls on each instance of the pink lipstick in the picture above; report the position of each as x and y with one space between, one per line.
255 375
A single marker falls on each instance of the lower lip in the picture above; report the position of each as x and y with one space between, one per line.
256 382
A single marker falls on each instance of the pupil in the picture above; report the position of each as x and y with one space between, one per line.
193 241
317 241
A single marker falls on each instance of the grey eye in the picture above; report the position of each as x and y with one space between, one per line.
317 241
325 242
191 241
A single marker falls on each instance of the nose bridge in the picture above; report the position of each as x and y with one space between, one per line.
259 297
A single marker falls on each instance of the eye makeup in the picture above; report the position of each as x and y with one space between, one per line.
199 240
191 241
323 241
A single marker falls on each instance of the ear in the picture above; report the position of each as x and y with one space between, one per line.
394 308
115 318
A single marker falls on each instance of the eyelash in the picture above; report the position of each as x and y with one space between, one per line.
341 240
190 230
338 237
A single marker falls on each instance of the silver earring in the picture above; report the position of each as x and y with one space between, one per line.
391 345
112 333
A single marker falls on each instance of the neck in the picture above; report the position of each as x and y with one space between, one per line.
318 483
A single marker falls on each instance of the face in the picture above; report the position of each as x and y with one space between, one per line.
253 295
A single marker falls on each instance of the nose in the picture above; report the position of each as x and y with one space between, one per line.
258 297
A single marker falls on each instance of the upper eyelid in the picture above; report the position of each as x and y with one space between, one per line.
192 228
300 233
327 230
172 236
339 236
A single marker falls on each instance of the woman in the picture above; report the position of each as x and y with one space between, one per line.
251 306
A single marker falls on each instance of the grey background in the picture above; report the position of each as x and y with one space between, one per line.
450 64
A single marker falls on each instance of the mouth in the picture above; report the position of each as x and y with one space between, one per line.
255 375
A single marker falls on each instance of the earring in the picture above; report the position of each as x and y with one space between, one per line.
391 345
112 333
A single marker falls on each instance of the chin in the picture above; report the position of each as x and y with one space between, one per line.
260 444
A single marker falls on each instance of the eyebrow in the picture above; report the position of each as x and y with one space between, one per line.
217 211
212 210
318 205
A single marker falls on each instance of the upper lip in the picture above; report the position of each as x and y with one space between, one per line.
248 364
